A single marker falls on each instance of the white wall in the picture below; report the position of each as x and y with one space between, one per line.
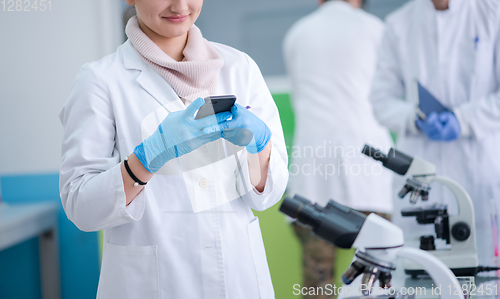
40 55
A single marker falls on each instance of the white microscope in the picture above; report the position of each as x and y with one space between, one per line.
378 242
458 230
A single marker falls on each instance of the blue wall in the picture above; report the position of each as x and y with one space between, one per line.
19 265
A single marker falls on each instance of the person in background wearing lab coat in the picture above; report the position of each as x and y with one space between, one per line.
330 56
176 213
453 49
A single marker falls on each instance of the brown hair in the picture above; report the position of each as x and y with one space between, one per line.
129 12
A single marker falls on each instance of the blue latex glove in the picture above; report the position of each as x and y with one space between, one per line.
440 127
178 134
244 129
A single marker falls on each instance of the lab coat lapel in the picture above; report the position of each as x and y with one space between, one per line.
151 81
159 89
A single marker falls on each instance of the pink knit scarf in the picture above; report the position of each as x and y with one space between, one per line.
194 76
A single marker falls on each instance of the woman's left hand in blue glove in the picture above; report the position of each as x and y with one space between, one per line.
244 129
440 127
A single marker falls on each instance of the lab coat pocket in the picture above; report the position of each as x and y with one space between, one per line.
129 272
259 259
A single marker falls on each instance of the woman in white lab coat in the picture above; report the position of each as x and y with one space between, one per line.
455 54
190 232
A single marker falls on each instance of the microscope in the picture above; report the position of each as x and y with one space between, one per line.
457 230
378 242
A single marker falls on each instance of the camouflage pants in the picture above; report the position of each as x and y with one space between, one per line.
318 259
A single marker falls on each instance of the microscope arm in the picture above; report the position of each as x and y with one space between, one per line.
465 205
441 275
465 217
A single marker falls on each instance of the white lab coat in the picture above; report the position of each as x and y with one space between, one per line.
331 57
456 55
157 247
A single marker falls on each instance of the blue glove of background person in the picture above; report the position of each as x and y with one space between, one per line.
442 127
178 134
244 129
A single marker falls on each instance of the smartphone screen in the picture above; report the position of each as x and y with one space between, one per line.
216 104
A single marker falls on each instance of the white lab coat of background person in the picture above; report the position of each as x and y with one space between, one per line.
455 54
331 57
157 247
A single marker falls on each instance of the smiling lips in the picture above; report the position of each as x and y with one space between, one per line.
177 19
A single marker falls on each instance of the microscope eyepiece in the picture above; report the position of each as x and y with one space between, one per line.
292 207
374 153
394 160
335 223
302 210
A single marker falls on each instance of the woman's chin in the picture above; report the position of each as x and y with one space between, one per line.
173 33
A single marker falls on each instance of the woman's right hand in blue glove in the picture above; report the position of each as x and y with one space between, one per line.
178 134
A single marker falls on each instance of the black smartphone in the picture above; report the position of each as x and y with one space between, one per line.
215 104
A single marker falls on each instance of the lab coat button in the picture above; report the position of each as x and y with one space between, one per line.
203 183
